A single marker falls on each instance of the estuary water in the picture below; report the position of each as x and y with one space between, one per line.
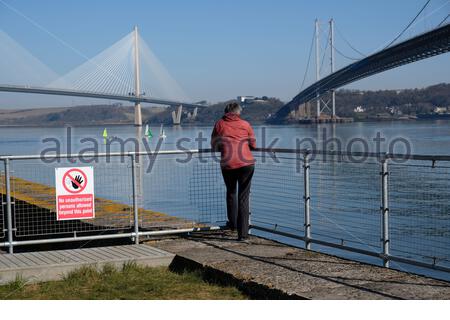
424 137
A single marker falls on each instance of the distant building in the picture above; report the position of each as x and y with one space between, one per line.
359 109
246 99
191 116
251 99
395 111
440 110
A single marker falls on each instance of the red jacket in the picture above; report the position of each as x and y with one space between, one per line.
234 138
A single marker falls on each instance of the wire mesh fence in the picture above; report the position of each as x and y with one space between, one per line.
34 196
181 193
186 190
345 201
419 210
277 193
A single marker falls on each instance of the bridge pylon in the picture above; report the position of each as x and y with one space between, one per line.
176 115
137 80
333 92
321 105
317 39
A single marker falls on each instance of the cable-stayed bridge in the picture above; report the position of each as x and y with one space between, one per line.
423 46
126 71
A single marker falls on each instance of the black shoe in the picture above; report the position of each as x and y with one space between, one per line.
229 226
244 239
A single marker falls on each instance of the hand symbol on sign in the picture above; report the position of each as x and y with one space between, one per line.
78 179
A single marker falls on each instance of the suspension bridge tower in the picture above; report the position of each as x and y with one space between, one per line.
320 104
317 39
333 92
137 80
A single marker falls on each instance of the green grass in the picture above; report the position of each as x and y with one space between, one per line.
130 282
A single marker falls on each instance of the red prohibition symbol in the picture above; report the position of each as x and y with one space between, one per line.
78 181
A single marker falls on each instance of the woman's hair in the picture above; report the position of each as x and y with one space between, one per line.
233 107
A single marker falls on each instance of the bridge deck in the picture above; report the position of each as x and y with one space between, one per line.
52 265
267 269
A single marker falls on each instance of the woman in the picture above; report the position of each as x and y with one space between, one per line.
235 139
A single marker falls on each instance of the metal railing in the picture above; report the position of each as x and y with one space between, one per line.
29 194
392 207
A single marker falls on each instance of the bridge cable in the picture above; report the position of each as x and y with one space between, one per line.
93 80
409 24
344 55
118 65
100 71
414 24
116 87
313 94
155 78
442 22
51 34
309 60
100 79
348 43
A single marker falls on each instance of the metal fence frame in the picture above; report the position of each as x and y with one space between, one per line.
135 234
383 159
304 155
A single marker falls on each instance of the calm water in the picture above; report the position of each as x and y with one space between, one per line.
425 137
345 196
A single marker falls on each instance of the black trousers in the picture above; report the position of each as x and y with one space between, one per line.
238 204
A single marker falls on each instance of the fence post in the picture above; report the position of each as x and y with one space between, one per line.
8 205
135 198
385 211
307 199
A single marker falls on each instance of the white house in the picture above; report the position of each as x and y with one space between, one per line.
359 109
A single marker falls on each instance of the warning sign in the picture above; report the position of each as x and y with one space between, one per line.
74 193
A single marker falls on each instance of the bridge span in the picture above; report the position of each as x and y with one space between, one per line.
97 95
421 47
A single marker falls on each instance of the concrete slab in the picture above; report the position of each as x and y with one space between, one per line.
54 265
267 269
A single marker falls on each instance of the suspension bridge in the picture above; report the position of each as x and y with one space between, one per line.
423 46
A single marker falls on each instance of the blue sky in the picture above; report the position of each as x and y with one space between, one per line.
220 49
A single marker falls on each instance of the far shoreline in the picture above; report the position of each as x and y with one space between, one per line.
190 125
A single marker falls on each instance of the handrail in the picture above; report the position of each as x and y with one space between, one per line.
379 156
309 199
